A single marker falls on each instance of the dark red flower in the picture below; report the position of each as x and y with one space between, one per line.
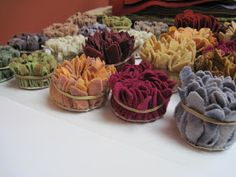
112 47
196 20
142 88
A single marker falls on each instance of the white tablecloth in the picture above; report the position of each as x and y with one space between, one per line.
37 139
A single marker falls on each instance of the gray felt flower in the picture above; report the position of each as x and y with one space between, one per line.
206 115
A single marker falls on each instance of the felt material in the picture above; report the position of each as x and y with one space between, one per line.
224 47
216 102
204 38
36 64
116 22
218 62
6 55
228 32
154 27
91 29
196 20
71 26
82 76
122 8
61 30
82 19
66 47
112 47
140 37
168 53
140 87
28 41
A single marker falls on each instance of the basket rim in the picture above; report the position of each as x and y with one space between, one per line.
133 120
33 77
136 110
85 98
77 110
202 147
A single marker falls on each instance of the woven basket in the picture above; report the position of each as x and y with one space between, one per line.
116 103
33 82
60 97
5 74
222 127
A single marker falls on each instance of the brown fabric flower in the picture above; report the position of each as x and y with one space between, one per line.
217 64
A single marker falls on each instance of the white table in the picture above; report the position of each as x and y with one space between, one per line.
37 139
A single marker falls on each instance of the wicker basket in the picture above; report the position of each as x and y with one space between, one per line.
116 103
33 82
5 74
221 142
59 98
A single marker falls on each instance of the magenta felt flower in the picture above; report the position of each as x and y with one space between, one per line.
225 48
139 93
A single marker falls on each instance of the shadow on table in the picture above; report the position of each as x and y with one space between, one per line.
109 117
12 83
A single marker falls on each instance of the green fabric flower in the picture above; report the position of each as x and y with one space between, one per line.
32 67
6 55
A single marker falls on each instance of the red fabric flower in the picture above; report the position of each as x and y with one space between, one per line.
142 88
196 20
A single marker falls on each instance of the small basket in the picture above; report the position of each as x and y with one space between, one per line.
72 100
33 82
119 66
116 103
5 74
222 127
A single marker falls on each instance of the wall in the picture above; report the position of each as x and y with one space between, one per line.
17 16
